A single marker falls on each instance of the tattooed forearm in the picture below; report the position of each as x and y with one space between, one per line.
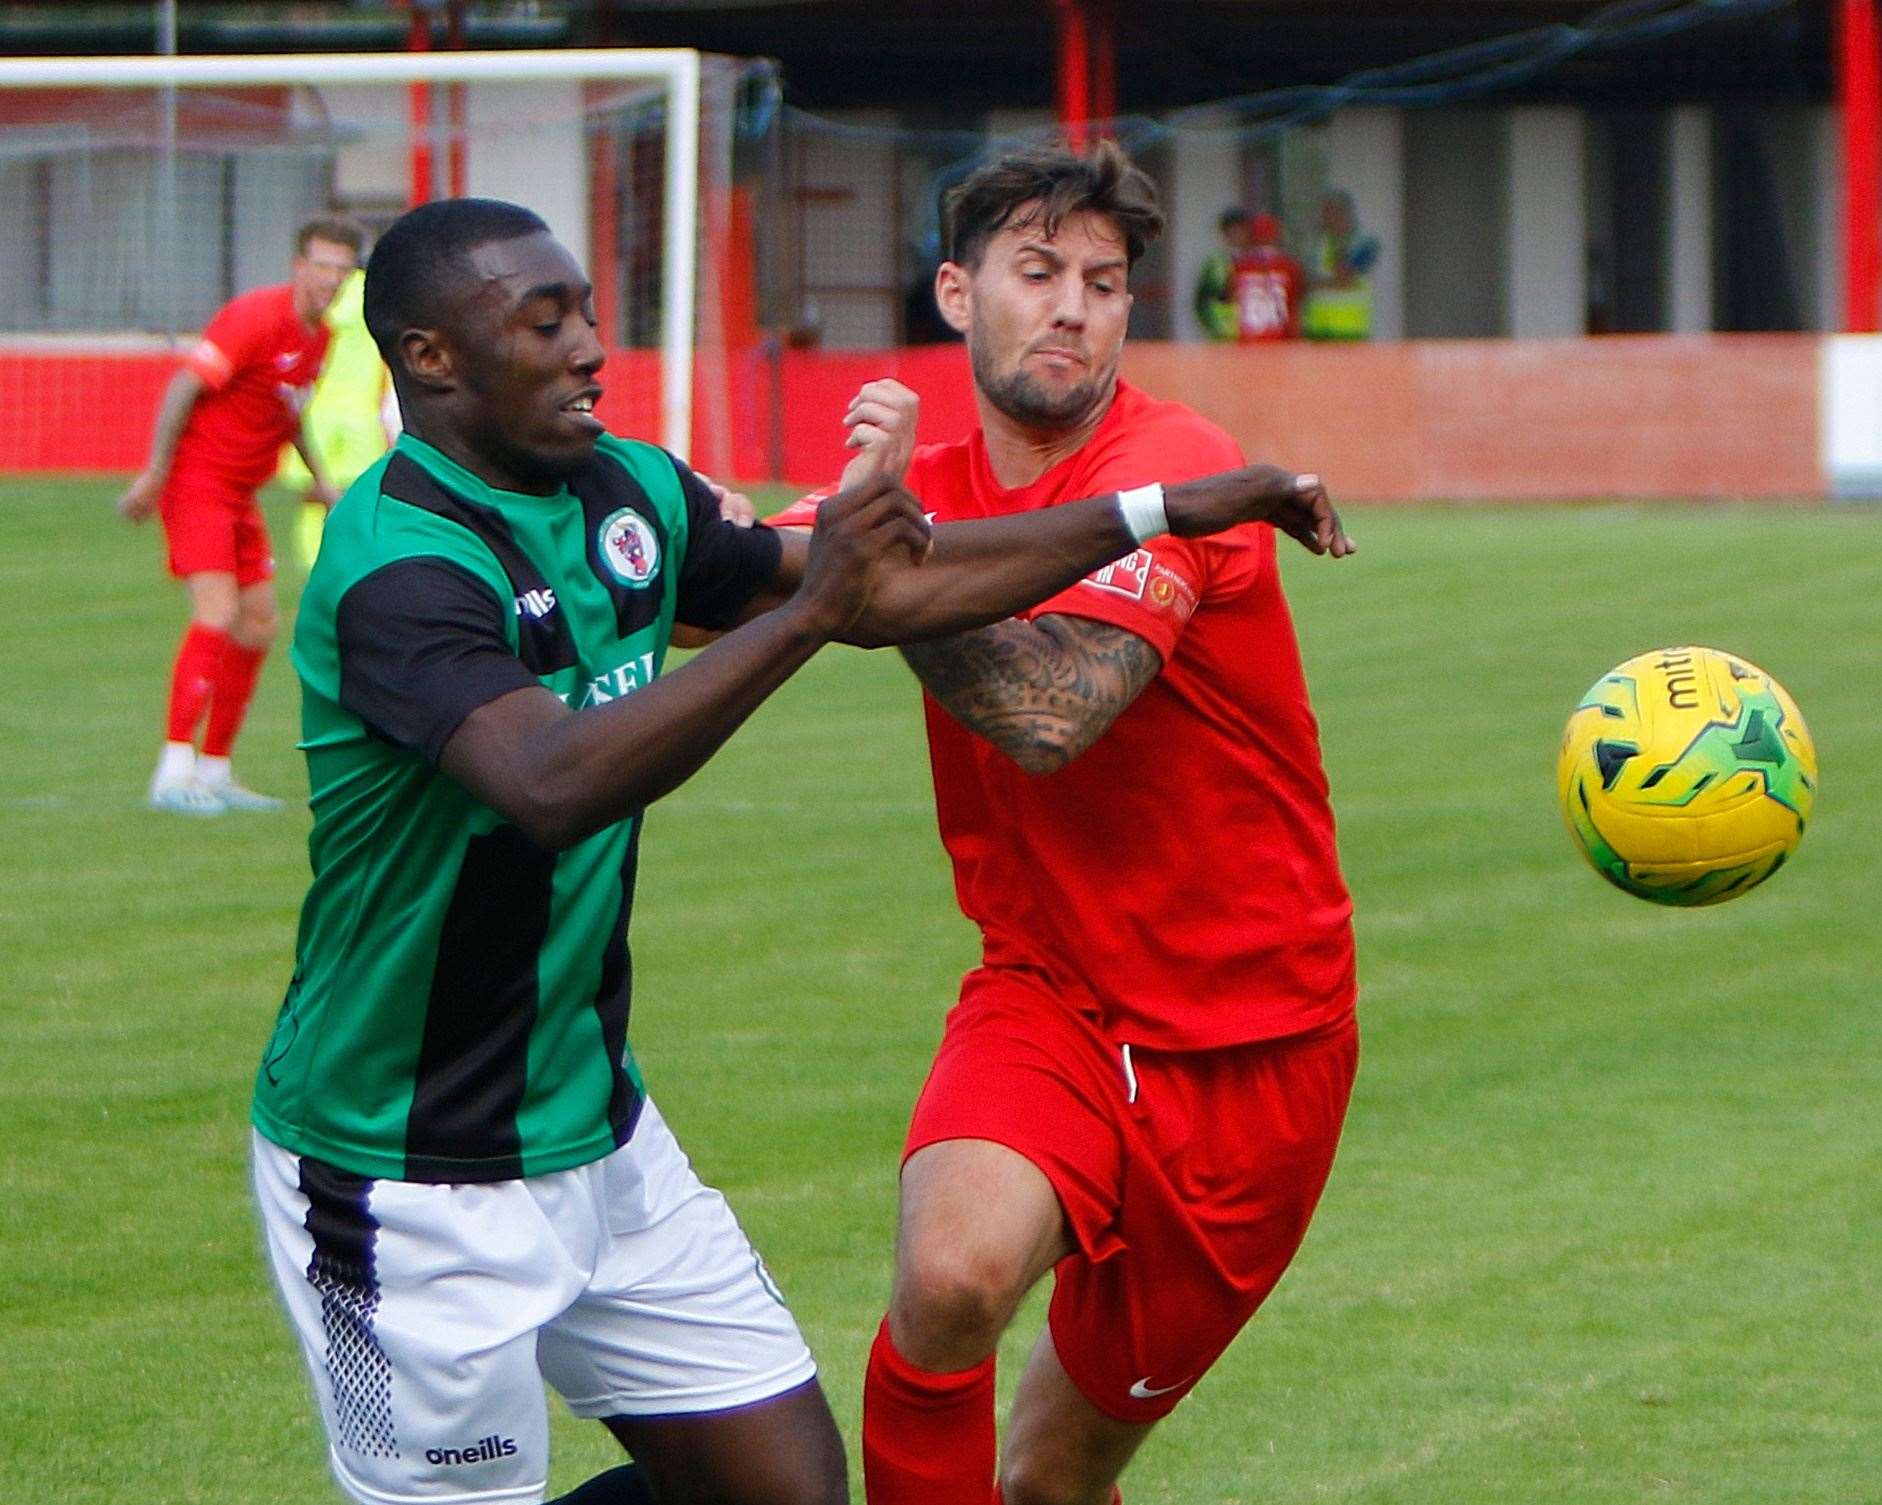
1042 692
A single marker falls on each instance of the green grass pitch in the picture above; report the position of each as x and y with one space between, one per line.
1604 1226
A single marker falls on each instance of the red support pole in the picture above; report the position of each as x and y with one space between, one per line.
455 171
1103 61
1074 72
418 39
604 229
1859 80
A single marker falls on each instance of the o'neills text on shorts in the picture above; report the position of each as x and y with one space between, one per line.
489 1448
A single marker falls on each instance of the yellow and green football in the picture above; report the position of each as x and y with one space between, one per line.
1687 776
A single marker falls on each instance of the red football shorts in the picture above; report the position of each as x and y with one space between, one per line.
213 526
1188 1177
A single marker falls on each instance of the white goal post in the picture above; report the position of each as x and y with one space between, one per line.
675 71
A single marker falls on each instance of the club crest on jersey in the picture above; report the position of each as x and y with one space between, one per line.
629 547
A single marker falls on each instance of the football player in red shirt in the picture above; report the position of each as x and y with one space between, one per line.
1143 1084
1266 285
225 416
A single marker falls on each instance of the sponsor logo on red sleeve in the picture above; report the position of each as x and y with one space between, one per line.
1170 592
1129 576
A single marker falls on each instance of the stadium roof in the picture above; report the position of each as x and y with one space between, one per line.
1180 52
942 58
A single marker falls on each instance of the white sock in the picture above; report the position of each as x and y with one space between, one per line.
175 763
213 771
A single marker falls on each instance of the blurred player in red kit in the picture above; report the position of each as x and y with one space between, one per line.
1143 1084
1267 285
219 432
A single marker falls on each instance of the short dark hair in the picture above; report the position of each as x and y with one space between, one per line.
1229 218
335 230
1055 181
424 252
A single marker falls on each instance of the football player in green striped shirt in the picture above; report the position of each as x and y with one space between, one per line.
465 1187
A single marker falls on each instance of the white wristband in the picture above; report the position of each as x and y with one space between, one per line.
1142 507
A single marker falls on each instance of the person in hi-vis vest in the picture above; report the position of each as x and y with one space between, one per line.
351 419
1339 271
1215 279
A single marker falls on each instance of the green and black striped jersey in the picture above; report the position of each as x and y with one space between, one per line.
458 1010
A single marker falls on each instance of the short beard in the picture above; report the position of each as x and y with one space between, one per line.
1020 397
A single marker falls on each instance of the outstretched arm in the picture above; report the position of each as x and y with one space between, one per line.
1042 691
560 774
978 573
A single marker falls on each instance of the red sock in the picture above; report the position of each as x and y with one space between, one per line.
235 687
198 659
927 1438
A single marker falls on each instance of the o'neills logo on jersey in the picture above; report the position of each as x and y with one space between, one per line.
485 1450
536 603
622 679
628 547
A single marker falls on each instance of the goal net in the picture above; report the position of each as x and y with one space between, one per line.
143 193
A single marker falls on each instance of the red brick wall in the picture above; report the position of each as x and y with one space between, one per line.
1644 416
1640 416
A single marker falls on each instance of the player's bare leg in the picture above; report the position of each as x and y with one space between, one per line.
1060 1449
257 616
251 633
980 1224
215 601
784 1451
214 605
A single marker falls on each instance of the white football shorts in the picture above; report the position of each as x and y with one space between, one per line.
430 1315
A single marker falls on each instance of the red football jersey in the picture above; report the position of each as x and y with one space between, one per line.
1267 287
258 362
1180 877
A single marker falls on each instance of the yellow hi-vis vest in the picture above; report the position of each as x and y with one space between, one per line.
1335 313
343 417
